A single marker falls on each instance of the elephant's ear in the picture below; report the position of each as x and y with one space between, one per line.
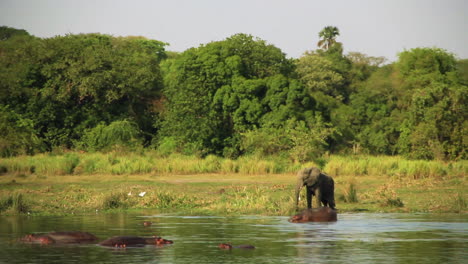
306 171
314 172
312 177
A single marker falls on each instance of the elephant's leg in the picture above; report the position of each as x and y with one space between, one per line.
318 194
325 203
309 197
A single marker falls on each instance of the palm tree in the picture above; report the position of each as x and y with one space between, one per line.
328 35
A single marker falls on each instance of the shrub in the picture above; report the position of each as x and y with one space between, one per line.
349 194
388 197
118 134
18 135
115 201
460 203
16 202
167 146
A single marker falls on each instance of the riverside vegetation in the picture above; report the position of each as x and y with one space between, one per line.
90 121
83 183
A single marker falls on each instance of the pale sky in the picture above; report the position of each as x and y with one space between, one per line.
373 27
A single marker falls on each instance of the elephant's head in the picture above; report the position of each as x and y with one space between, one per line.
307 176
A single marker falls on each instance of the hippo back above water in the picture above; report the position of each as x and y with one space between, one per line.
67 237
72 237
134 241
321 214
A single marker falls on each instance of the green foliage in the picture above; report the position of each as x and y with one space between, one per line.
167 146
462 68
117 135
299 140
265 142
325 75
115 201
217 91
388 197
460 204
328 35
67 84
15 202
18 135
239 96
319 74
349 194
308 141
370 115
8 32
434 100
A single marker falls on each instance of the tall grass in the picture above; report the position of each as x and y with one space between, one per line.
118 163
15 202
349 194
394 166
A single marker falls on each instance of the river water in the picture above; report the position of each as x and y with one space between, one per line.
355 238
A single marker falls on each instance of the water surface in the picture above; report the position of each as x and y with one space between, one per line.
355 238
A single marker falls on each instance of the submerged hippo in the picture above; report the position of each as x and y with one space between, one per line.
134 241
321 214
72 237
35 238
67 237
229 246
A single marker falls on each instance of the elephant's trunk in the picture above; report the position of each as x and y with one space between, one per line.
299 185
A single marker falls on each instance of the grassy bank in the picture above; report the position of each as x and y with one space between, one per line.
129 163
83 183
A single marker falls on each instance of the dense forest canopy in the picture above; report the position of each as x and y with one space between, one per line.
233 97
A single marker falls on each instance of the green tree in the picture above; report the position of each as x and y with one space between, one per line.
122 134
462 67
328 37
434 103
18 135
298 140
364 121
68 84
222 89
8 32
326 76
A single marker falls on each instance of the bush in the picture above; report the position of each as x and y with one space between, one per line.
16 202
167 146
118 134
350 194
18 135
115 201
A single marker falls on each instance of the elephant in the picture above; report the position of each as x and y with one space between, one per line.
135 241
317 183
322 214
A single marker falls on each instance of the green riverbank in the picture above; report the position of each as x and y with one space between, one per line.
221 194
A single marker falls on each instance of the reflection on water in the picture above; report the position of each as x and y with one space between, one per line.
355 238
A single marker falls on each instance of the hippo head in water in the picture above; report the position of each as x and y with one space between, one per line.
225 246
158 241
229 246
321 214
40 239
